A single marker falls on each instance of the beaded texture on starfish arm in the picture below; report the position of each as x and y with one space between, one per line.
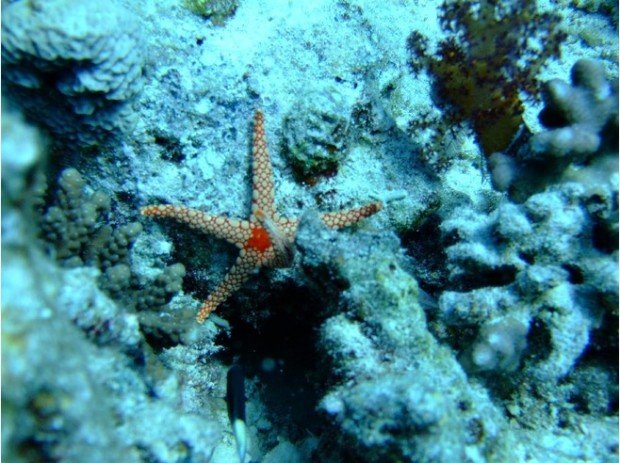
288 227
343 219
262 189
236 232
234 279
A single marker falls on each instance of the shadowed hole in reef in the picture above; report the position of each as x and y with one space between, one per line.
426 247
603 345
279 352
486 277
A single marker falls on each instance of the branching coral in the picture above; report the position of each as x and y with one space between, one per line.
533 264
579 115
581 119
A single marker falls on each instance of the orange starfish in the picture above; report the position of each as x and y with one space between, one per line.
265 239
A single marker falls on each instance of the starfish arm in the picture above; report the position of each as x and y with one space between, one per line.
348 217
234 231
234 279
288 227
262 190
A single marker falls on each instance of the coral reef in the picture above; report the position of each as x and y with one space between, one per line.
400 394
98 406
86 410
381 331
499 346
166 285
72 224
72 65
584 112
461 323
75 226
538 264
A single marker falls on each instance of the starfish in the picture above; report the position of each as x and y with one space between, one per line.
265 239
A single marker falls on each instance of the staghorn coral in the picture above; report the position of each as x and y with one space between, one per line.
488 58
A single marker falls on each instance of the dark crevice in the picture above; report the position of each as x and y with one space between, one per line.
425 246
575 275
539 344
279 352
605 237
487 277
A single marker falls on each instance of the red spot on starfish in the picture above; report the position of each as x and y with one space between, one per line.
259 240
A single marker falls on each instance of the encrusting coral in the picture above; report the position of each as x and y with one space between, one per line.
535 285
72 65
315 136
